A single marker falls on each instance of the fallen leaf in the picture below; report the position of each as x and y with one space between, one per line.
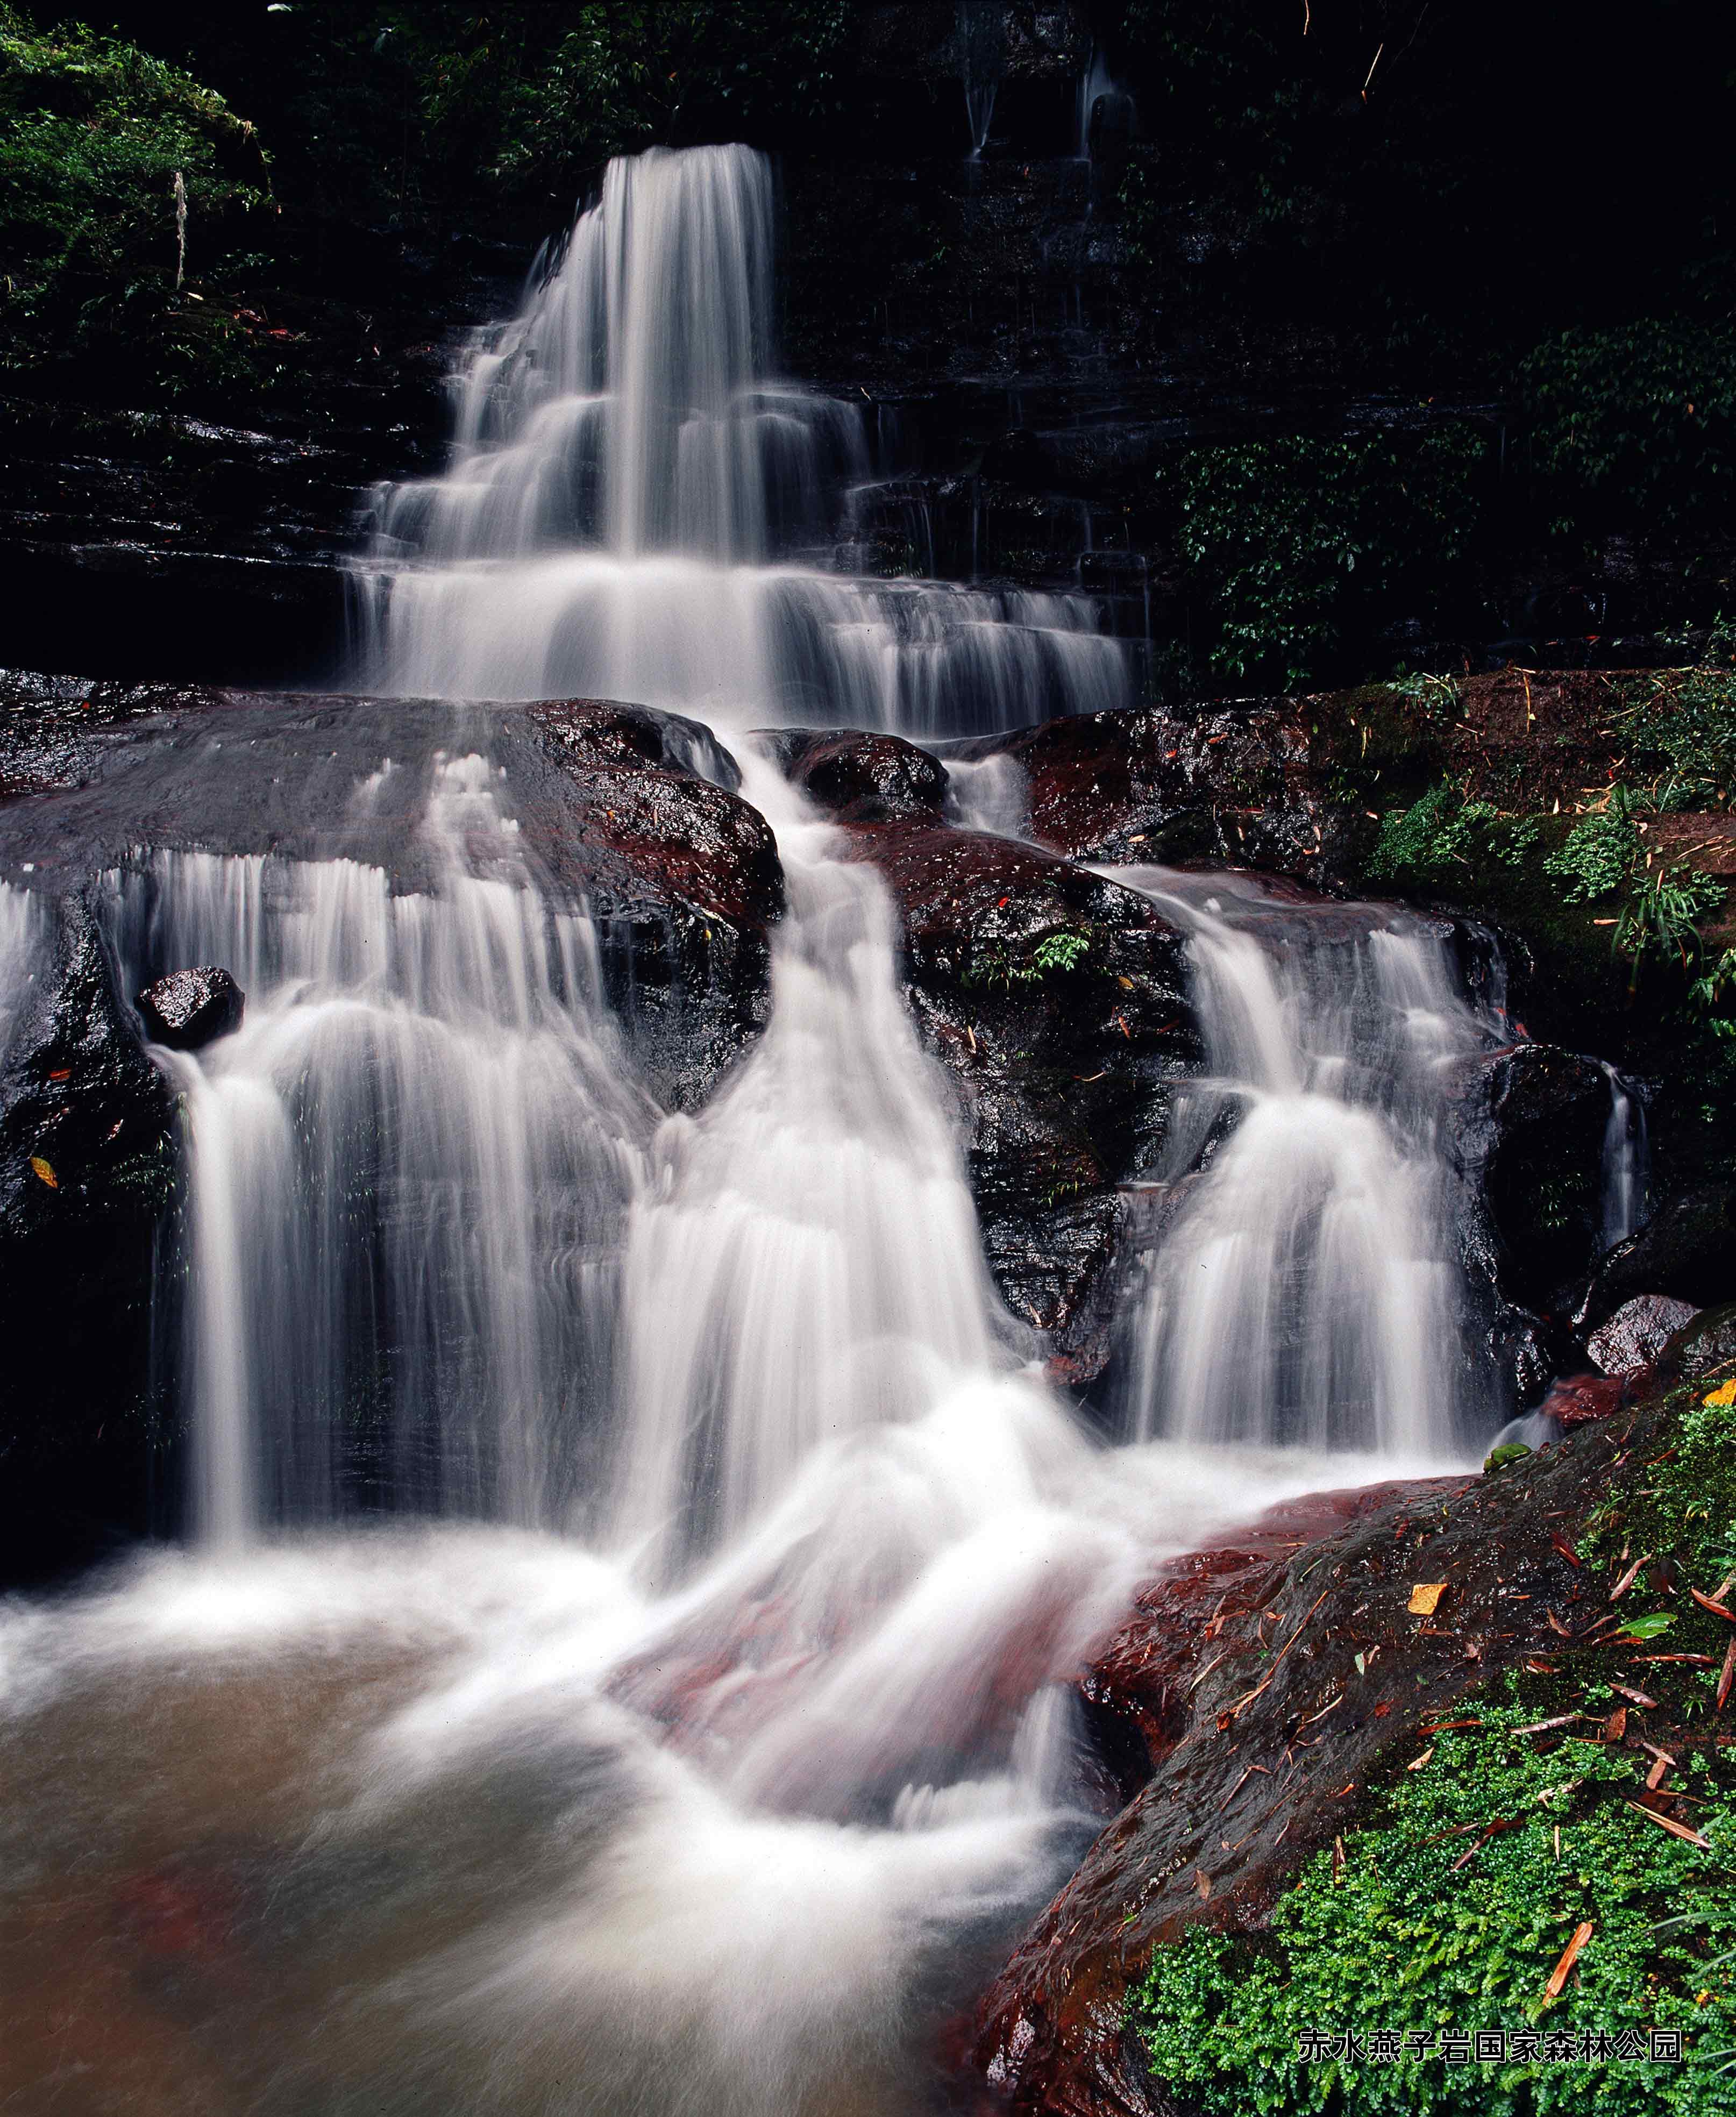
1656 1776
1425 1597
1557 1626
1717 1609
1725 1394
1634 1697
1616 1726
1648 1627
1416 1764
1669 1824
61 1073
1560 1543
1626 1580
1569 1957
1727 1672
44 1171
1202 1882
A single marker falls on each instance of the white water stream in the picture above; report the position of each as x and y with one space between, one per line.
703 1735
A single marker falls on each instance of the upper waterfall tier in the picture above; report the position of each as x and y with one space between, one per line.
637 507
631 404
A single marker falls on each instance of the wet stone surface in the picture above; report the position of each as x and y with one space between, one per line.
189 1009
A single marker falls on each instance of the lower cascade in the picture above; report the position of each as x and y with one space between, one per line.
625 1656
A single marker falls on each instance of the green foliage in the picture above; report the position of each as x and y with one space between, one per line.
1412 1936
528 101
1679 726
1662 914
1600 851
1635 423
93 135
1712 998
1442 835
1288 536
1057 954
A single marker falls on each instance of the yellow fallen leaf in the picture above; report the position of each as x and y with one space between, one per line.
1725 1394
1425 1597
45 1171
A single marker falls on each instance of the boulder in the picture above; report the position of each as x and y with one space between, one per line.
1056 1002
1236 783
860 778
1705 1348
1638 1332
189 1009
681 876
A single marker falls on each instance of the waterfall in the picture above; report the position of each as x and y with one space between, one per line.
406 1177
701 1728
1625 1162
805 1266
1304 1287
638 507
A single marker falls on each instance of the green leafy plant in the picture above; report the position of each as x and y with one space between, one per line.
1600 851
1408 1934
1057 954
1662 914
1639 421
116 170
1712 998
1442 835
1287 535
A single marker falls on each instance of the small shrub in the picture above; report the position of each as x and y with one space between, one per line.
1638 423
1442 835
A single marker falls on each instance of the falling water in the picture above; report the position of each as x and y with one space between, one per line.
633 493
21 935
1304 1287
698 1734
407 1175
1625 1161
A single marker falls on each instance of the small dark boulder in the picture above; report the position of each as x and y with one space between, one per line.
860 778
189 1009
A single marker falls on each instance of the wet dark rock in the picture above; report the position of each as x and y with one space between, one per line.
1194 1716
1578 1400
1057 1002
1705 1347
1687 1249
1525 1133
1638 1332
87 1174
860 778
681 876
628 811
189 1009
1235 783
